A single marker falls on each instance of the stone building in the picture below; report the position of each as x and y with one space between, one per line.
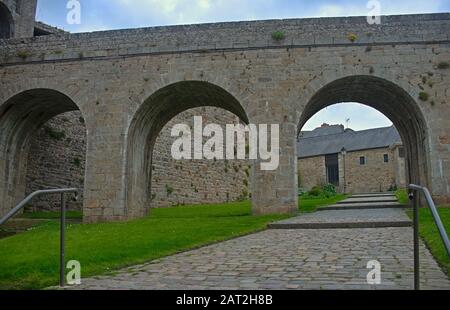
355 161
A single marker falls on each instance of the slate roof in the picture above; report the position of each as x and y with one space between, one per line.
327 140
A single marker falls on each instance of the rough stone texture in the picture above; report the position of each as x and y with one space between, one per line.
287 259
312 172
129 83
375 176
180 182
57 160
22 13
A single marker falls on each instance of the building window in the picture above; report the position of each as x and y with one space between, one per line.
386 158
362 160
401 152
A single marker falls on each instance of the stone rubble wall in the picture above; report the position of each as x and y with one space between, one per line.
56 162
222 36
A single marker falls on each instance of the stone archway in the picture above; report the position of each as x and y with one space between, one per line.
149 120
6 23
391 100
20 118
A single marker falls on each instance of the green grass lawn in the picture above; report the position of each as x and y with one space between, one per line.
430 235
402 196
30 260
311 205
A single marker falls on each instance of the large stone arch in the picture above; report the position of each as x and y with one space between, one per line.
394 101
20 117
6 23
156 111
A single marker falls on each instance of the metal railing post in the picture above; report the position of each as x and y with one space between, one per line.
62 241
22 205
414 196
415 202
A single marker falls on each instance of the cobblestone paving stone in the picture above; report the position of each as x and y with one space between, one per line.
286 259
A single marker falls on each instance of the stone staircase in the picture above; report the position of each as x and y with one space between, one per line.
358 211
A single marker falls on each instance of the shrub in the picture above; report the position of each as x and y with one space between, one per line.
77 162
330 190
325 191
352 37
54 133
393 188
315 191
278 35
424 96
24 54
169 190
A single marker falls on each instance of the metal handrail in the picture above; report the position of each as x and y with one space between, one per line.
437 219
27 200
22 205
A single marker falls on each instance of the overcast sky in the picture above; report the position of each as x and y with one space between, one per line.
117 14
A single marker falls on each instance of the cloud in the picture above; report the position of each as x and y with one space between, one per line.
361 117
117 14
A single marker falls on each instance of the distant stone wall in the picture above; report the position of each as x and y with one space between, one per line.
57 159
375 176
311 172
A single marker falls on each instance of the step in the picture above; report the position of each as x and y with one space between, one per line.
346 219
368 199
364 206
372 195
343 225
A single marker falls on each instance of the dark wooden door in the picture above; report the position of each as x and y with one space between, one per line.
332 169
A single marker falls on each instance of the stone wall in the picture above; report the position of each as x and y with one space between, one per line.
311 172
57 161
23 13
234 35
375 176
180 182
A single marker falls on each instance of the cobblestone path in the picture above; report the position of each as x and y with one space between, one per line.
291 259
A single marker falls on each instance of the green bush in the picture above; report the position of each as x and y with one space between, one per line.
393 188
55 133
424 96
278 35
325 191
330 190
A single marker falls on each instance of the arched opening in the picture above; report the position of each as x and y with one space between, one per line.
6 23
21 117
392 101
353 147
150 119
